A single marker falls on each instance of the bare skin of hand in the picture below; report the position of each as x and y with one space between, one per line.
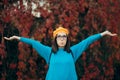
108 33
12 38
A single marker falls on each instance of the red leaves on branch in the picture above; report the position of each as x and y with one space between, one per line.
21 66
49 23
13 65
91 72
44 12
117 56
2 51
32 62
109 72
19 74
74 31
82 5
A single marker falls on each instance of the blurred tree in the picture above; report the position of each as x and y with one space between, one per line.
12 52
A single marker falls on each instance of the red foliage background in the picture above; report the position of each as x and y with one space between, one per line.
101 61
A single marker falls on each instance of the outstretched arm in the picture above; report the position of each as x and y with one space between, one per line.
79 48
43 50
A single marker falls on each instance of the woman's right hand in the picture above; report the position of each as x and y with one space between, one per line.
12 38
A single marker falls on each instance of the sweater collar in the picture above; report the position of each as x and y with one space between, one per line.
61 49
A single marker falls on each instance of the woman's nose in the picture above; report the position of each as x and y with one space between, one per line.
61 39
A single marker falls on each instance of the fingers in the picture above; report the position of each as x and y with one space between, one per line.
7 38
113 34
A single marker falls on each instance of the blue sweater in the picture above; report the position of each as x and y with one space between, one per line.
62 64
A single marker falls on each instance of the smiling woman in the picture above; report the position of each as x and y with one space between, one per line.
62 63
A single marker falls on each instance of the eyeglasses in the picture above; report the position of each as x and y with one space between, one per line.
61 37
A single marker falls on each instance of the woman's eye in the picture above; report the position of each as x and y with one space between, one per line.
61 36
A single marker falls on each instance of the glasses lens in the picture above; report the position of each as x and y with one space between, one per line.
63 36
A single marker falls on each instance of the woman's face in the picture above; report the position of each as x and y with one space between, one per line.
61 40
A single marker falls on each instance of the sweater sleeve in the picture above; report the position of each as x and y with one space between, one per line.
79 48
42 50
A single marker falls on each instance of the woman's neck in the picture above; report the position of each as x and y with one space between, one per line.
61 47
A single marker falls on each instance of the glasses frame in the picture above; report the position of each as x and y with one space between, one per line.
59 37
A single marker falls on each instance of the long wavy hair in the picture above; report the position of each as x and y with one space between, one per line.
55 45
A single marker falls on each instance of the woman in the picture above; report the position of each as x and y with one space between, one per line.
63 57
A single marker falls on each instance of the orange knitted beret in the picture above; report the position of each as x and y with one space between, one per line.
59 30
